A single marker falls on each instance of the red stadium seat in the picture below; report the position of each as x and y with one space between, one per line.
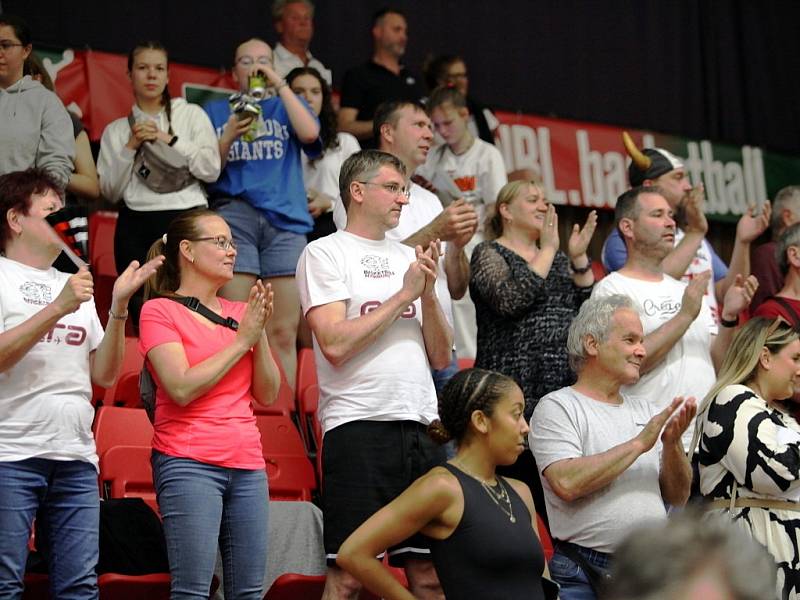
126 473
290 478
291 586
284 404
544 538
599 270
125 392
306 371
279 436
465 363
114 586
117 426
308 404
37 587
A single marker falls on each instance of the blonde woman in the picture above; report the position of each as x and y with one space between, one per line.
750 443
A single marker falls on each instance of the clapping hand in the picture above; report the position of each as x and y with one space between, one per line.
580 237
258 312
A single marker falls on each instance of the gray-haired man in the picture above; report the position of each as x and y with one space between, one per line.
608 461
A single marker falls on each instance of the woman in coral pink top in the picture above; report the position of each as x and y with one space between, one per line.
208 468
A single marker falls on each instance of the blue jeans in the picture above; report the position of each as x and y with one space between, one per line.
205 507
64 497
442 376
572 579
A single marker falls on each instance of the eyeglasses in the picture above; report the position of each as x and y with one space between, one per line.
220 241
249 61
393 188
5 45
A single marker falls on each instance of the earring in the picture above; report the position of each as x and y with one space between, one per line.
191 260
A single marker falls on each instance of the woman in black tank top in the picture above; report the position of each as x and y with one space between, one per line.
483 526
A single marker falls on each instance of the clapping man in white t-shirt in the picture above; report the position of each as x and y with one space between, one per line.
378 329
403 129
609 461
684 344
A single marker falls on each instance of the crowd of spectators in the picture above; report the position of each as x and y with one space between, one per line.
257 224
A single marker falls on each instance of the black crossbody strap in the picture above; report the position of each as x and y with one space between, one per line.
194 304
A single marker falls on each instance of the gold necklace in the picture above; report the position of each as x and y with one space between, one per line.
498 493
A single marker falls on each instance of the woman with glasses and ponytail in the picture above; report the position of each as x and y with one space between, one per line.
210 361
155 117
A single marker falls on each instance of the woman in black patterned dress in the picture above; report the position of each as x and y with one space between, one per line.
750 443
526 292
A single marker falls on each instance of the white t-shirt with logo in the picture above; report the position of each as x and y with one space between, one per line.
45 398
390 380
687 369
567 424
479 173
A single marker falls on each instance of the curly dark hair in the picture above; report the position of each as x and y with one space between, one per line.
327 116
469 390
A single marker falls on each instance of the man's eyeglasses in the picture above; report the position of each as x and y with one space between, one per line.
220 241
249 61
5 45
393 188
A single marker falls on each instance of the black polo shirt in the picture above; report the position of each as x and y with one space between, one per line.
367 86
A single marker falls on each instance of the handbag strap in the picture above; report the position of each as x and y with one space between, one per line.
195 305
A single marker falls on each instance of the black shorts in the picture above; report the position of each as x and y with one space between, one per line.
366 465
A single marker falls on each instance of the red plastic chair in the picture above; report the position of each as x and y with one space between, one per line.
118 426
114 586
465 363
284 404
279 436
132 362
126 473
290 478
544 538
308 405
125 392
306 371
292 586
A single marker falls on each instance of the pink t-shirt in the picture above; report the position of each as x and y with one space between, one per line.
219 427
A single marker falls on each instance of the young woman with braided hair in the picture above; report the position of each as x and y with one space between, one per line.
483 525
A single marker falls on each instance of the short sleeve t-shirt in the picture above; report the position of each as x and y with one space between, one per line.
567 424
45 398
219 427
267 171
687 369
390 380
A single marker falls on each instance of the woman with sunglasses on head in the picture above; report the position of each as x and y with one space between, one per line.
749 452
208 467
36 131
155 117
483 526
321 174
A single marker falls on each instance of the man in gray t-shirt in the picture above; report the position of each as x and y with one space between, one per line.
608 461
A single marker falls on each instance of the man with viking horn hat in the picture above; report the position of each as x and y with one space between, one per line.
692 254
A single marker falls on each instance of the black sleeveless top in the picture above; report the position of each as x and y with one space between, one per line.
488 556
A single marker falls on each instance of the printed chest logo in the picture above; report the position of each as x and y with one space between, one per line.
409 313
36 293
71 335
664 308
376 267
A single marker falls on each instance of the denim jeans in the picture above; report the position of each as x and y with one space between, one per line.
204 506
572 579
442 376
64 497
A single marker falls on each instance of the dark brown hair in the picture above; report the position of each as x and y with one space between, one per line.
16 192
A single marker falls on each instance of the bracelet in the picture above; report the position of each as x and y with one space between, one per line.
121 317
727 323
580 270
280 86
